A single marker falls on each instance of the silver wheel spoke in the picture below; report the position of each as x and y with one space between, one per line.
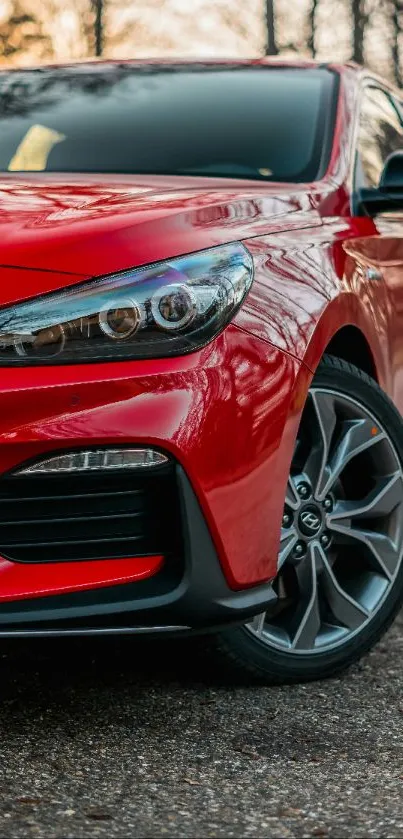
257 624
381 501
380 546
315 465
309 623
288 539
358 435
344 608
292 498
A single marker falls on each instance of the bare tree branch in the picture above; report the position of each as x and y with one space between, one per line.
312 27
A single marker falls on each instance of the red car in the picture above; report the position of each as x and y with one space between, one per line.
201 357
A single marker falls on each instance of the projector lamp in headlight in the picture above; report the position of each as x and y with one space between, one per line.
49 343
120 322
174 306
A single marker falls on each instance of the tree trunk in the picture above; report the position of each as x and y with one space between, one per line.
359 21
312 27
98 26
271 46
395 46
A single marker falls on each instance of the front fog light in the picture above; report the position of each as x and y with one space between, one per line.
91 461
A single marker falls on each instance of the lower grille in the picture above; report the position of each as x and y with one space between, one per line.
89 516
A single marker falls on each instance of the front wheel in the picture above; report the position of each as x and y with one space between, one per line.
340 571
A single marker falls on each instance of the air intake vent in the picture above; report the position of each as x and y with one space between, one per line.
89 516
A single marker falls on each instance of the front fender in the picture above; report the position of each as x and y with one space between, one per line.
307 288
348 310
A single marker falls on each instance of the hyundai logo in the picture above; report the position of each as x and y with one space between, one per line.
310 522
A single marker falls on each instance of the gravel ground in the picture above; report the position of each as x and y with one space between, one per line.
111 738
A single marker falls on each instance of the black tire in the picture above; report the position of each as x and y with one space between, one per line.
246 654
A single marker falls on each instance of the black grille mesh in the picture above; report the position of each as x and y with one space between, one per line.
89 516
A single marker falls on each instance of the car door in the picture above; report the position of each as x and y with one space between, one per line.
381 133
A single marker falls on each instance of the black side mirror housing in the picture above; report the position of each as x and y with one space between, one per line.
388 196
392 174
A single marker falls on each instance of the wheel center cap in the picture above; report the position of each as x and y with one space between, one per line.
310 521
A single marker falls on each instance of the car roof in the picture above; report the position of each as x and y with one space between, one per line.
99 64
348 68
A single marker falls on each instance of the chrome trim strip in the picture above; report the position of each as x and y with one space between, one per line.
52 633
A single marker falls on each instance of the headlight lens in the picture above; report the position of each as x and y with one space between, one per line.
164 309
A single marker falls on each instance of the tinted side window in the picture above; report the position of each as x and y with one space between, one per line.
381 132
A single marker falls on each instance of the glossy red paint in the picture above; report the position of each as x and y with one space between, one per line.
19 582
221 412
228 413
77 228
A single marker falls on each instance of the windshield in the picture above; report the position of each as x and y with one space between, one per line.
229 121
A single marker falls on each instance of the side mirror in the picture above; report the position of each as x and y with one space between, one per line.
388 196
392 174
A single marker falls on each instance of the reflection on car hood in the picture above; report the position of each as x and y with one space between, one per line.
80 226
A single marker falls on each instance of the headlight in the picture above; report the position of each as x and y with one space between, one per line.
164 309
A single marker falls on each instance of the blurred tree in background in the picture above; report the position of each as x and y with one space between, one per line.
22 32
368 31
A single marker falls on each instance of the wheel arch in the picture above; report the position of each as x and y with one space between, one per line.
350 344
348 331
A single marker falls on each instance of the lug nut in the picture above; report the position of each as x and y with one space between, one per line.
328 503
325 540
287 520
303 490
299 550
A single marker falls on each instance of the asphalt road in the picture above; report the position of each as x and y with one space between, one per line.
110 738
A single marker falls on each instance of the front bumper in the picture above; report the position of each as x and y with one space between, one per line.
191 595
227 417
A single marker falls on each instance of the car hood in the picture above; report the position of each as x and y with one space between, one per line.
59 229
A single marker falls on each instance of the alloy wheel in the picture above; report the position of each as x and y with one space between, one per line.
342 528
